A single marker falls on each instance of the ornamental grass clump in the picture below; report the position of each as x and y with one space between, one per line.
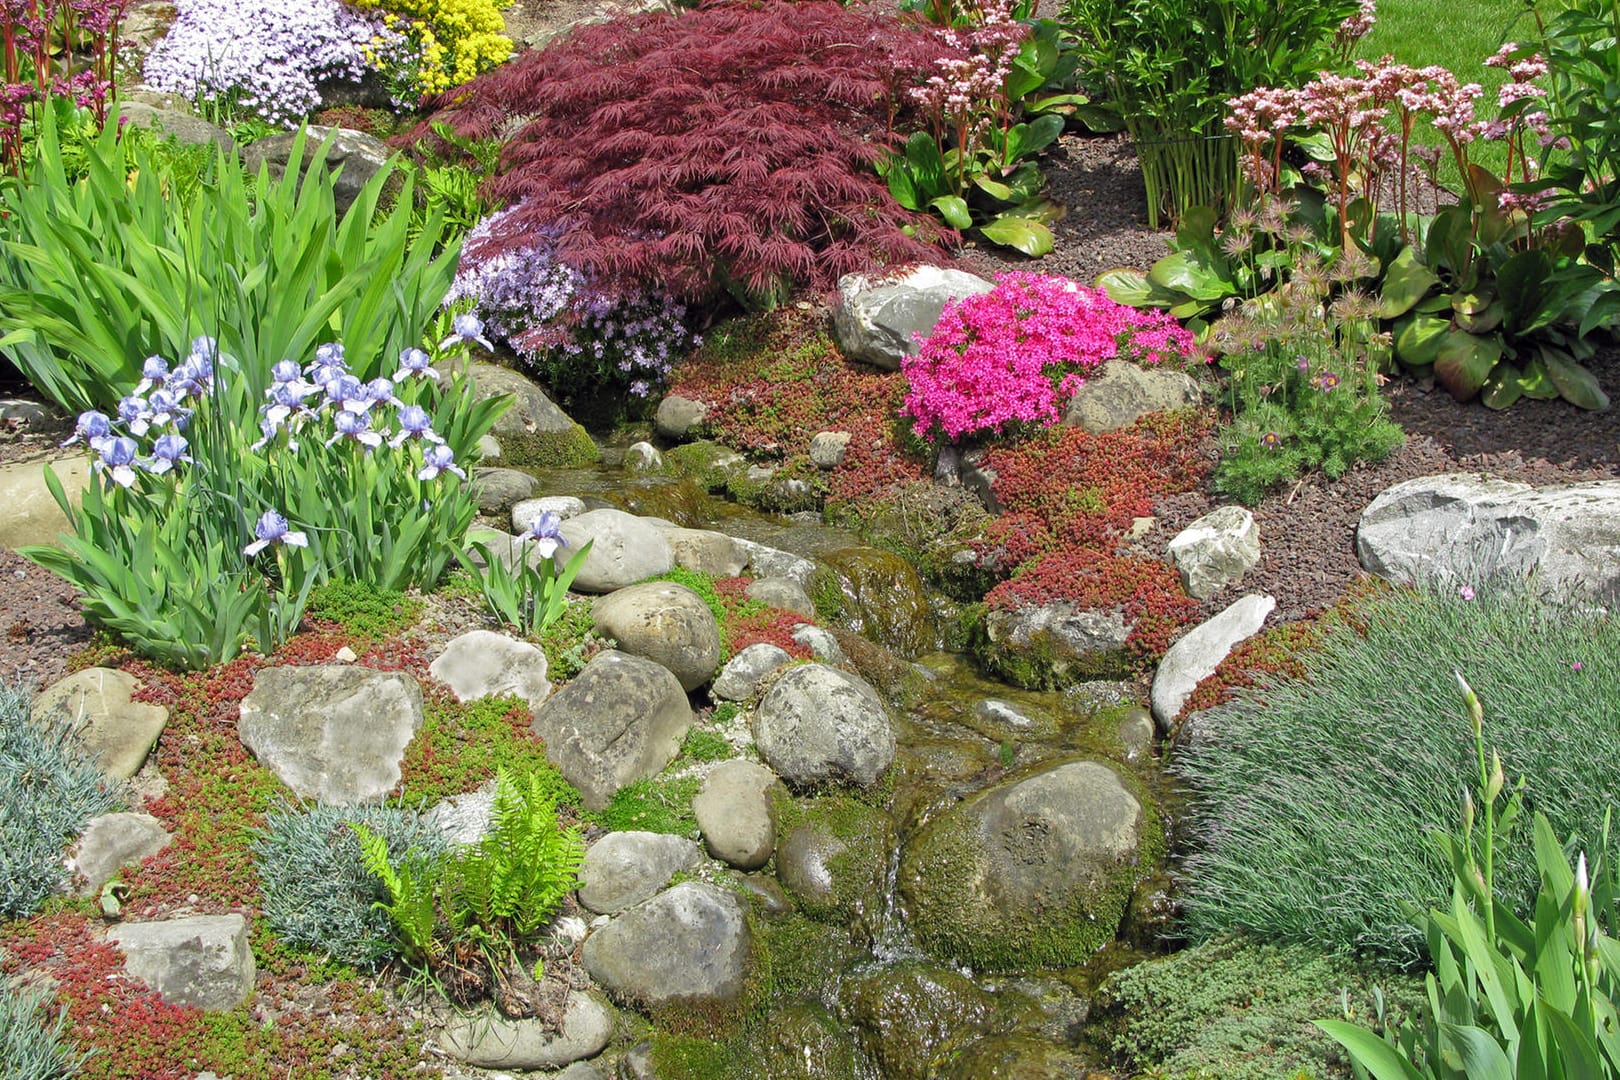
50 788
265 56
1316 798
31 1046
1013 356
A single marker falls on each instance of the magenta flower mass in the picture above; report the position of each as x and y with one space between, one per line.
1016 354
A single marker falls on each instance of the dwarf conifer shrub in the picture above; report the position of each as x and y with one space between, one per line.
317 894
728 147
49 788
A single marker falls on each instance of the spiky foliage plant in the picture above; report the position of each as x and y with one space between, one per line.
730 147
316 890
49 788
31 1048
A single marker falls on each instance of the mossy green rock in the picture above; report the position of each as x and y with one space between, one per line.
832 856
1011 1057
706 462
1032 873
802 1040
909 1016
877 594
565 449
1052 646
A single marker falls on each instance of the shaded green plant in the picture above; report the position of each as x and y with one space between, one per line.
1329 783
1238 1009
462 744
493 894
1530 998
31 1046
50 787
523 588
571 642
316 893
661 804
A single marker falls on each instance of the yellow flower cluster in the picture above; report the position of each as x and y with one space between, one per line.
451 40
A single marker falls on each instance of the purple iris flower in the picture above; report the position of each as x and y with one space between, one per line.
168 451
356 426
118 458
164 408
348 393
154 370
93 428
546 532
191 377
466 329
272 528
380 391
416 362
438 458
330 353
286 371
415 423
134 413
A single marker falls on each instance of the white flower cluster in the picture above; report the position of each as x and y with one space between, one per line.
266 55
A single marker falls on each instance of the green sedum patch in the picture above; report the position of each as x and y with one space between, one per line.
1237 1010
362 610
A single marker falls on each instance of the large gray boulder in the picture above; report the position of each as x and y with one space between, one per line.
618 721
1033 873
483 663
532 412
739 680
487 1039
766 562
687 946
679 418
783 593
1216 551
817 724
625 868
359 155
1460 527
203 961
111 842
877 319
706 551
1052 646
333 732
625 549
1195 657
1121 393
733 812
564 506
186 127
500 489
118 731
666 623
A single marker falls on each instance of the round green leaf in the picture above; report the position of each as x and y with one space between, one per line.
1021 234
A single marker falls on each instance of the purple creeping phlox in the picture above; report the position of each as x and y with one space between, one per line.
1016 353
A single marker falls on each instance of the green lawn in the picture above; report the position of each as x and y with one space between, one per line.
1458 34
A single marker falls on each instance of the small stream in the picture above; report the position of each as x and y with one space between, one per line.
958 732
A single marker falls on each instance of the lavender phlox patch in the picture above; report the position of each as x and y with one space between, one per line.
269 55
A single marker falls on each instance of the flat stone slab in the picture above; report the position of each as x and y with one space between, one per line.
489 1040
1200 651
111 842
483 663
32 516
117 731
624 868
332 732
203 961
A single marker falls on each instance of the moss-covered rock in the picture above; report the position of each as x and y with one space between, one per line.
832 855
1051 646
912 1015
1011 1057
1033 873
802 1040
706 462
565 449
877 594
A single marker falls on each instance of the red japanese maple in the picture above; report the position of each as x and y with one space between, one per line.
727 147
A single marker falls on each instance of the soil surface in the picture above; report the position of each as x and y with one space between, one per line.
1307 532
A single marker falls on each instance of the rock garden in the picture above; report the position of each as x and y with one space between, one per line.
808 542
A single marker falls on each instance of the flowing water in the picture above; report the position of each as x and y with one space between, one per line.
958 732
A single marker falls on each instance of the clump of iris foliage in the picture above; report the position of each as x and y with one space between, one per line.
1315 801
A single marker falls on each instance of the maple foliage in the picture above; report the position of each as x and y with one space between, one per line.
728 147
